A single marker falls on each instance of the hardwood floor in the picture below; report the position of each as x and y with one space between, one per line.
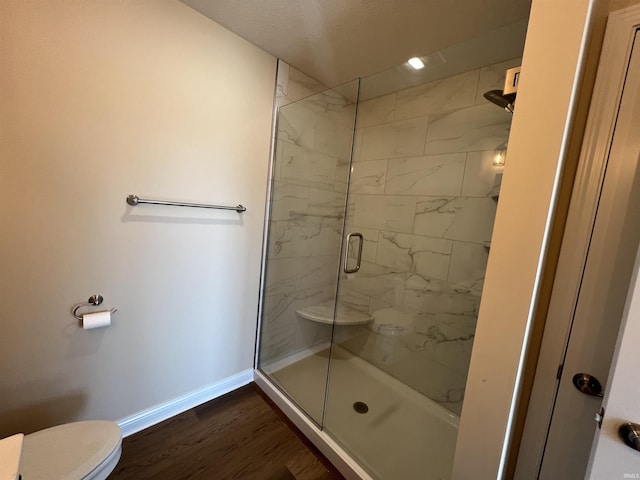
240 435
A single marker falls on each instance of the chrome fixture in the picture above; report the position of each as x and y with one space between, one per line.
505 101
134 200
346 255
94 300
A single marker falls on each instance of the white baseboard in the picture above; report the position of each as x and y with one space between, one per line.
149 417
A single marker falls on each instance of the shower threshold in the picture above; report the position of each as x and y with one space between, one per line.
403 434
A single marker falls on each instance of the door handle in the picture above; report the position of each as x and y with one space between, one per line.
588 384
630 435
359 257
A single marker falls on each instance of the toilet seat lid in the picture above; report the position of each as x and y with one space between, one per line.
69 451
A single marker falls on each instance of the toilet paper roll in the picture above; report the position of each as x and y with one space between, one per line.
96 320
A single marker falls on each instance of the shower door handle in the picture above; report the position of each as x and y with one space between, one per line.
346 255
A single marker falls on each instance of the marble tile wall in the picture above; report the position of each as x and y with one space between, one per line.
313 149
293 85
424 195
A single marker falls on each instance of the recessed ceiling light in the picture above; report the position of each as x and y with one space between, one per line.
416 63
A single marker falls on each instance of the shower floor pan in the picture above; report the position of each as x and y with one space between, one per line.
402 435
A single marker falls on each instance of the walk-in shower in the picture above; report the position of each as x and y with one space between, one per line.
383 197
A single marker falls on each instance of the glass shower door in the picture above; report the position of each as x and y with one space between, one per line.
311 172
376 259
422 200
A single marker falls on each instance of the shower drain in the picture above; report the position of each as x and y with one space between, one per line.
361 407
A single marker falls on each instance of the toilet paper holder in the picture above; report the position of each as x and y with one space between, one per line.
95 299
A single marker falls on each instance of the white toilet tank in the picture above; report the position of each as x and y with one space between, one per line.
73 451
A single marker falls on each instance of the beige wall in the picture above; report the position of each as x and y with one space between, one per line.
537 151
100 100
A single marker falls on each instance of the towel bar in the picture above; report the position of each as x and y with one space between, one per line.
134 200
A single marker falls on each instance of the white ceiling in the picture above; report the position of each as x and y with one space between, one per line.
338 40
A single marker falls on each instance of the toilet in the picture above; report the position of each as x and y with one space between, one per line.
73 451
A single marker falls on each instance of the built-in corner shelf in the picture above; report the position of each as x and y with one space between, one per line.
323 313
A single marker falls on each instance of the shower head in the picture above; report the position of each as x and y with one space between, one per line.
500 99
